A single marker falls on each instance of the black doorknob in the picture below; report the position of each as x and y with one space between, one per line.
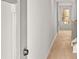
25 52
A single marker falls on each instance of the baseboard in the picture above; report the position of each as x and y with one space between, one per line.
51 46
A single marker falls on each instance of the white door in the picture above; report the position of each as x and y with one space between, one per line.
8 30
39 28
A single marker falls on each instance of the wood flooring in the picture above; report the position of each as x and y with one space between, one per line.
61 48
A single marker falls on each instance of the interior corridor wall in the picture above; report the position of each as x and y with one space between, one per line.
73 16
41 27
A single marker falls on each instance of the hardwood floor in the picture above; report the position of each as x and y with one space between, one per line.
62 46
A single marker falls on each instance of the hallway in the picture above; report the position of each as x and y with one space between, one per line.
62 47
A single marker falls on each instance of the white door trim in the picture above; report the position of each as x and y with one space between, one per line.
13 10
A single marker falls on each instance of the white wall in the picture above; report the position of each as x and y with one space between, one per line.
8 30
41 27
